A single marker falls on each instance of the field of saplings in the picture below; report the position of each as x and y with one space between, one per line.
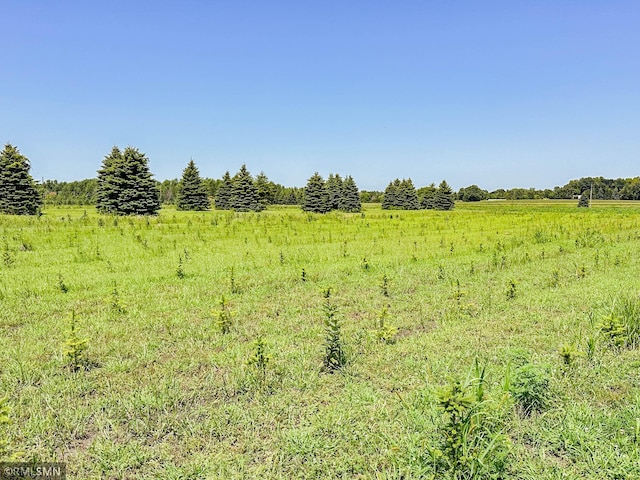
497 340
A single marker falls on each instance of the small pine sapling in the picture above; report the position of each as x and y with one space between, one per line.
115 303
259 359
334 357
384 286
384 332
74 348
180 270
224 316
511 290
365 263
61 285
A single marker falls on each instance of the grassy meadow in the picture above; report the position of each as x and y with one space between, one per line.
472 295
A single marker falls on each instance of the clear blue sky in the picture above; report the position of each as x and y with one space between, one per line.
500 94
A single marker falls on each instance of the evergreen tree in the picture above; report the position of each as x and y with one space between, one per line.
192 194
126 185
244 196
350 198
428 194
390 197
18 192
583 202
443 199
315 195
224 193
139 193
266 189
407 198
106 190
334 191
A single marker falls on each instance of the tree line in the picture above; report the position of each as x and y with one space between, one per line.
125 185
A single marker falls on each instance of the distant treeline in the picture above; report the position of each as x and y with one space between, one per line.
83 192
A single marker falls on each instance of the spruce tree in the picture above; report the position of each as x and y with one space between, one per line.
428 195
443 199
583 201
266 189
126 185
408 199
390 197
315 195
224 193
244 196
106 190
350 198
334 191
18 192
192 194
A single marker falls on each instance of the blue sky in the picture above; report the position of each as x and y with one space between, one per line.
500 94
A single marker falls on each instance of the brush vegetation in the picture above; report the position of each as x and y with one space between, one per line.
507 346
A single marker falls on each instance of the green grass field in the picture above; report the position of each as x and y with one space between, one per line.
162 393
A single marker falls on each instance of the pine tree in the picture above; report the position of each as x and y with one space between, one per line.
225 192
266 189
192 194
350 198
315 195
443 199
106 190
18 192
390 197
126 184
244 196
334 191
408 199
583 202
428 195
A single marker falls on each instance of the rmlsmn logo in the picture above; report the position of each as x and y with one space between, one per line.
33 471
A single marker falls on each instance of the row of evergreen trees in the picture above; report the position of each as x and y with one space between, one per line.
334 194
402 195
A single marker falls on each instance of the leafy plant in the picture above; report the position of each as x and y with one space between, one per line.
224 316
74 348
530 388
334 357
